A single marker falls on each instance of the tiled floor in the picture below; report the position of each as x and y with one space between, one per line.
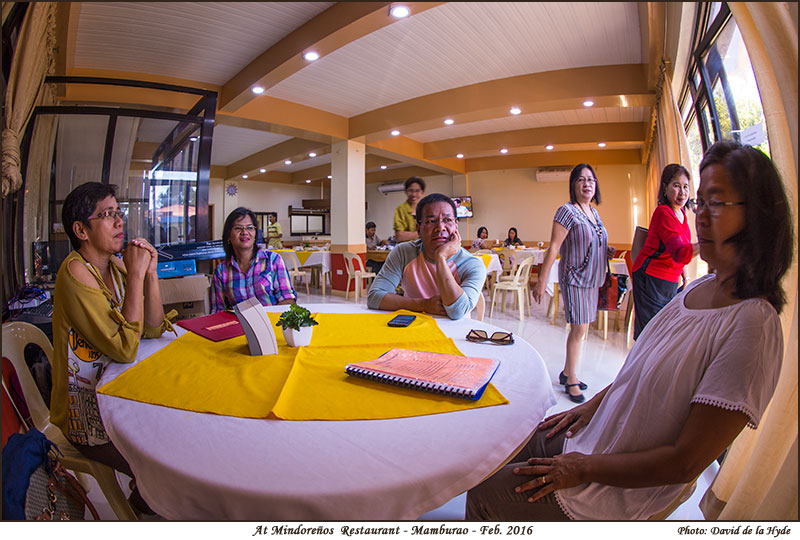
601 360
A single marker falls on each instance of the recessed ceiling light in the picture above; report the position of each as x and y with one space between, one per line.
312 154
244 176
549 147
287 162
311 56
504 150
329 177
448 121
395 133
635 200
192 139
257 89
383 166
262 170
588 103
601 144
459 156
400 12
515 110
308 181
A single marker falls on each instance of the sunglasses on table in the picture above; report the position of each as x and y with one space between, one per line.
497 338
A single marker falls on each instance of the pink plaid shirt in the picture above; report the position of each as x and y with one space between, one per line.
267 279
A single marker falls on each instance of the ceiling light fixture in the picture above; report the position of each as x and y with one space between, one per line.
329 177
312 154
588 103
549 147
515 110
244 176
311 56
448 121
395 133
399 11
460 156
257 89
262 170
192 139
308 181
601 144
504 150
383 166
287 162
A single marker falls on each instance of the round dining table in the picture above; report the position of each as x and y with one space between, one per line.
197 466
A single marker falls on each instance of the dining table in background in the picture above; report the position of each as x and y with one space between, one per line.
201 466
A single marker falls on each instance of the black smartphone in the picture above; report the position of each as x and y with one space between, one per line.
402 320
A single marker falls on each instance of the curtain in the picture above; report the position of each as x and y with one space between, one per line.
32 60
758 478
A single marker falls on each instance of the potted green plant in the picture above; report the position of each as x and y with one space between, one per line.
297 324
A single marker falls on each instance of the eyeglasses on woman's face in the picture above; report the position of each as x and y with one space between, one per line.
239 229
497 338
713 206
585 180
110 215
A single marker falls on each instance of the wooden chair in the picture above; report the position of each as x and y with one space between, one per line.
519 284
293 266
357 272
16 336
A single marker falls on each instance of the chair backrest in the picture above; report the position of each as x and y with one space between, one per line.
480 308
16 335
523 271
353 263
483 252
291 260
509 259
639 236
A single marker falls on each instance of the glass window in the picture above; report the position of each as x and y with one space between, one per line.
686 110
695 150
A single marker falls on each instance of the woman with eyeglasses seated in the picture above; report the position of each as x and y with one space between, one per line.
248 271
704 367
437 275
513 239
661 263
579 236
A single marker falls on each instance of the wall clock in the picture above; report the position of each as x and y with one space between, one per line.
231 190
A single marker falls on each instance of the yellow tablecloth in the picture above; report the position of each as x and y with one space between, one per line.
486 259
306 383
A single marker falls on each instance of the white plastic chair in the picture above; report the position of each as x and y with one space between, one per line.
480 308
16 335
357 272
519 285
293 266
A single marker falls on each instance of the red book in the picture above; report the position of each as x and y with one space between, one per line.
216 327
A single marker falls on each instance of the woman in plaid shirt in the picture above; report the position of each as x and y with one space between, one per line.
248 271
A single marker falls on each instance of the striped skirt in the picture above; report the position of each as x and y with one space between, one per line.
580 303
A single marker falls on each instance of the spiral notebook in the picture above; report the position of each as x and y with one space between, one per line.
448 374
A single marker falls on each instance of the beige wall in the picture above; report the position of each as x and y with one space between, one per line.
259 197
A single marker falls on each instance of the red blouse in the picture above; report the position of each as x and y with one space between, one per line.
669 243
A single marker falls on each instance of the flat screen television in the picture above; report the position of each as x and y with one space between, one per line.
463 206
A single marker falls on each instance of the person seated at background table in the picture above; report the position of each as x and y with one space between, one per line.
405 224
480 241
372 238
704 367
102 307
513 239
662 261
438 276
248 271
274 232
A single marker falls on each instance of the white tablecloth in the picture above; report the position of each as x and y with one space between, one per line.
322 258
494 263
193 466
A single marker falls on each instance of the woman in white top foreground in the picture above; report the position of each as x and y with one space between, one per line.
705 367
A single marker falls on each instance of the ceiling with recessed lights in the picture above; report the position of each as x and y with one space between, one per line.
443 90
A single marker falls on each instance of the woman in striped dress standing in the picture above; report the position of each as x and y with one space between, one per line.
580 238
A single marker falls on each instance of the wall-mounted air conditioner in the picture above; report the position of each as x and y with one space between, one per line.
391 187
553 174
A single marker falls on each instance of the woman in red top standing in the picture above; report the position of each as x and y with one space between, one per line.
666 252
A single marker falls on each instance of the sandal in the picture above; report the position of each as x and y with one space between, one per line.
575 399
562 379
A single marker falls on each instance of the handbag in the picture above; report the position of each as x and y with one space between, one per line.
56 495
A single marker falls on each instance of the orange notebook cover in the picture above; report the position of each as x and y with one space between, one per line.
216 327
449 374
